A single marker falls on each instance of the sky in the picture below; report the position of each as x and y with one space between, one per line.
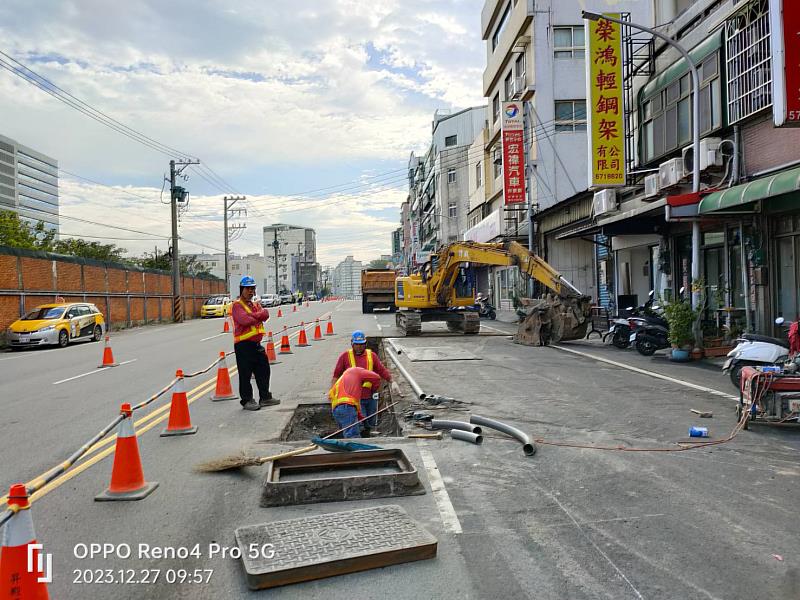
310 109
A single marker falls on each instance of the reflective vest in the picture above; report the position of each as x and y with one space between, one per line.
254 329
336 398
352 356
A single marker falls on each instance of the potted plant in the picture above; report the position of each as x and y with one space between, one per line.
681 319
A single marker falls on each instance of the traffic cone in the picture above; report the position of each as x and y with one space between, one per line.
224 391
329 328
271 358
302 339
180 423
318 332
108 357
226 328
22 570
285 348
294 308
127 477
280 313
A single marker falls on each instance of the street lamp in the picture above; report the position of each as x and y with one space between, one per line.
593 16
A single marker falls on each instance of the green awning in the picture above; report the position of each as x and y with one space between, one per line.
680 67
739 196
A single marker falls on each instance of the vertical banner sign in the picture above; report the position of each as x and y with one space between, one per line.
513 136
785 51
605 108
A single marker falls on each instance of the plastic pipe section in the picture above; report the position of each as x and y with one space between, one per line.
462 425
528 447
467 436
414 385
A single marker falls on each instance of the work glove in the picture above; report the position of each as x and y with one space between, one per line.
396 389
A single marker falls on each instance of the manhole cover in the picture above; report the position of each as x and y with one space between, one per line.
334 477
332 544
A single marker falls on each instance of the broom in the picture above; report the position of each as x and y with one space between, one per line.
239 461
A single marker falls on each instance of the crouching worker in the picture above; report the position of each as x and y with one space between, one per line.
345 397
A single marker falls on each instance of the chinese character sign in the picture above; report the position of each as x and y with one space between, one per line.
605 105
513 140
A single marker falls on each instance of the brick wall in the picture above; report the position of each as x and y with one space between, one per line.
766 146
121 293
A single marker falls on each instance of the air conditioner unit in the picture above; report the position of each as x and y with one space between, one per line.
710 156
605 201
670 173
517 87
651 185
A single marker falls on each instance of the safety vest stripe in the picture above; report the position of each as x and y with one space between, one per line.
254 329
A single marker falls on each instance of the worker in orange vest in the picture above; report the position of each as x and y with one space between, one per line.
345 397
248 330
360 356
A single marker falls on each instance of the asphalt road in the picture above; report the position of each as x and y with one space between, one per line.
567 523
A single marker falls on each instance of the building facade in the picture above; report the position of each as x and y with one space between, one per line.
346 278
254 265
29 183
294 248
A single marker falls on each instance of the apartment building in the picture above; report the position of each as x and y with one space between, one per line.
29 183
296 251
346 278
254 265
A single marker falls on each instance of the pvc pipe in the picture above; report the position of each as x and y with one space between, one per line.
394 346
467 436
528 447
414 385
448 424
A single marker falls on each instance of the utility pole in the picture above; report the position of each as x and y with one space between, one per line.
229 201
275 246
177 194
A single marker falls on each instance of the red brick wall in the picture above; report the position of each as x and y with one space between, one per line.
137 308
119 311
94 278
766 146
152 309
117 280
9 309
68 277
37 274
9 275
135 282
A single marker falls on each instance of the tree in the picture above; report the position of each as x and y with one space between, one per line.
17 233
379 263
95 250
189 264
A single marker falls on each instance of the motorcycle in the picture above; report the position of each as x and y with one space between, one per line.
756 350
485 309
651 336
623 329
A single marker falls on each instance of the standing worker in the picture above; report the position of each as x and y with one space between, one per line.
345 396
360 356
248 329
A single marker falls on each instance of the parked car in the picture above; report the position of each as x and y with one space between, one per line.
311 297
287 298
270 300
57 324
216 306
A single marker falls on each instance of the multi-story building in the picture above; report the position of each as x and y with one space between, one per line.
748 210
438 200
254 265
295 246
29 183
346 278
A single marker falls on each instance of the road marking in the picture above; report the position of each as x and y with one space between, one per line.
33 352
92 372
496 329
693 386
440 495
211 337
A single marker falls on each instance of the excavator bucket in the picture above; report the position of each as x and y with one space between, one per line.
553 319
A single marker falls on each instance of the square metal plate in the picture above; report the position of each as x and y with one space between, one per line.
436 353
332 544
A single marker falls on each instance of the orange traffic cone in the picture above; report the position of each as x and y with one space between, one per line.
108 357
224 391
127 477
280 313
23 572
226 328
271 358
294 308
302 339
329 328
180 423
318 332
285 348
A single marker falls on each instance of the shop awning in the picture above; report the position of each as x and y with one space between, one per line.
742 197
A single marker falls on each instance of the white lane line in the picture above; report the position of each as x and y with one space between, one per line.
693 386
92 372
495 329
440 495
380 327
215 336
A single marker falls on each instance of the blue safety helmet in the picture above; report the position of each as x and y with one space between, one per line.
247 281
358 337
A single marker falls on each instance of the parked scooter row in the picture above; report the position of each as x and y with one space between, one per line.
645 328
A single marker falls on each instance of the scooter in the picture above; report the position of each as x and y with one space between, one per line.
623 329
651 337
756 350
485 309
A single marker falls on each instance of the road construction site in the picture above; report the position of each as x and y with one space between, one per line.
571 521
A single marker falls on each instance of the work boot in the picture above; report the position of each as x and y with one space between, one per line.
269 401
251 405
366 432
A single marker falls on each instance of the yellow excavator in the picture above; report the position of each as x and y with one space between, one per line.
440 291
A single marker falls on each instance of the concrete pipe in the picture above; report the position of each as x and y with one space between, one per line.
528 447
467 436
448 424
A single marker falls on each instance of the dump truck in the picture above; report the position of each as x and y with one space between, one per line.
377 289
441 291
